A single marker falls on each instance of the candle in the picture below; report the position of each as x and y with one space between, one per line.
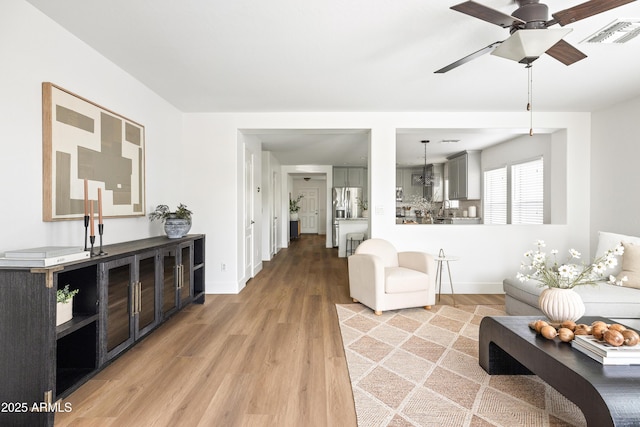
99 205
93 233
86 197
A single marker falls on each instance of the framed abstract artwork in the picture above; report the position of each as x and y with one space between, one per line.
84 141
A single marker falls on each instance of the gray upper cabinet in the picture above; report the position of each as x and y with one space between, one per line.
464 176
349 177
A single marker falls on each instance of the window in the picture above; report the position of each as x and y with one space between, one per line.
527 193
515 194
495 196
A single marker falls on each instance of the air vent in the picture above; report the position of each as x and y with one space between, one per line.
619 31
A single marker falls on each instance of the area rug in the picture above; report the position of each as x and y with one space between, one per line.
417 367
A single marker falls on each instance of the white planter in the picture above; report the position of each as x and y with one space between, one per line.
64 312
294 216
561 304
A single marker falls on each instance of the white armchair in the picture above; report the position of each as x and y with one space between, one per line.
383 279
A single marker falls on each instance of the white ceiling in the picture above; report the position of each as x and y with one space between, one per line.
335 55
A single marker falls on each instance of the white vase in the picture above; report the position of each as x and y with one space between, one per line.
294 216
64 312
561 304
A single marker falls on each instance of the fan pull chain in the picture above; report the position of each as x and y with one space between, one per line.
530 98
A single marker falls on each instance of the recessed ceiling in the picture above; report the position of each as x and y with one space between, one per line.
334 55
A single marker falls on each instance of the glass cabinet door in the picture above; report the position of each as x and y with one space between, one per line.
119 326
185 279
147 313
169 290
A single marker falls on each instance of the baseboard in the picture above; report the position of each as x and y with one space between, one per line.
472 288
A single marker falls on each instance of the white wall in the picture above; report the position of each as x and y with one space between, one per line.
197 159
615 174
34 50
488 253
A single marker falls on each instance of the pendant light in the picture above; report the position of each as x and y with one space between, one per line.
425 179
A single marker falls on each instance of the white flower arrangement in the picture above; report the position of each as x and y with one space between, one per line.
546 269
419 203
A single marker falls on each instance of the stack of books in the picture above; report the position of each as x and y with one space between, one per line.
43 257
605 353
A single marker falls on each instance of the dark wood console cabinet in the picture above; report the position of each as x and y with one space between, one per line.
123 296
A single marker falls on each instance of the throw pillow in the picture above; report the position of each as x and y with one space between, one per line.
608 241
630 266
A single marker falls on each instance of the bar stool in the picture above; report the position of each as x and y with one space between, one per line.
353 238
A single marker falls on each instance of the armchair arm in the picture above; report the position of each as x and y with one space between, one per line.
423 262
366 278
420 261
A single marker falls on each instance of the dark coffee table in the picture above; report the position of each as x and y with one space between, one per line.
607 395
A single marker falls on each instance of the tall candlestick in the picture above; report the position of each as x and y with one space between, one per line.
86 197
99 205
93 233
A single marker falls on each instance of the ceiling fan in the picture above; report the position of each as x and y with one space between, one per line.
530 32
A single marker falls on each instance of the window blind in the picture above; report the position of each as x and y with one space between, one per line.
527 192
495 196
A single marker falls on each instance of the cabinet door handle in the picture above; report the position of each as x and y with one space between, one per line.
139 296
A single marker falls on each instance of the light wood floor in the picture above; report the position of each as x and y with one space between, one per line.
270 356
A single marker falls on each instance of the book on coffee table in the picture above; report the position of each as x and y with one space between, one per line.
606 353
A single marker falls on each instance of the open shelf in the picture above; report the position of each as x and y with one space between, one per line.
78 321
76 355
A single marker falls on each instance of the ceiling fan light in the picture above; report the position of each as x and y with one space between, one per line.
527 45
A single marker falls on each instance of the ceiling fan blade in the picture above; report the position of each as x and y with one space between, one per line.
486 13
468 58
565 53
585 10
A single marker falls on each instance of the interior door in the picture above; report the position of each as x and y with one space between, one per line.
248 213
309 211
275 205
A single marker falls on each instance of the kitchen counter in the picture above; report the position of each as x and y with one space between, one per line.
350 225
459 220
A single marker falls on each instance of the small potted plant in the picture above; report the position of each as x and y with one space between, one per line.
364 206
294 207
176 224
64 306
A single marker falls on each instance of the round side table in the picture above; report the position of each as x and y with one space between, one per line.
440 260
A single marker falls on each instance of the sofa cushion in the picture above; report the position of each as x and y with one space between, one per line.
630 266
608 241
400 279
602 299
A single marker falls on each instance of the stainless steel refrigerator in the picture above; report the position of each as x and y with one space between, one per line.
345 206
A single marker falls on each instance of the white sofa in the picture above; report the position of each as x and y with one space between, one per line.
621 303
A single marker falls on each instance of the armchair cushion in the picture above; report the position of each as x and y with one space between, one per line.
400 279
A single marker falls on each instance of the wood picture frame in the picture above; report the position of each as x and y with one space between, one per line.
84 141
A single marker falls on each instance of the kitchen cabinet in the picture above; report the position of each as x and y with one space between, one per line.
464 176
404 179
117 304
349 177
